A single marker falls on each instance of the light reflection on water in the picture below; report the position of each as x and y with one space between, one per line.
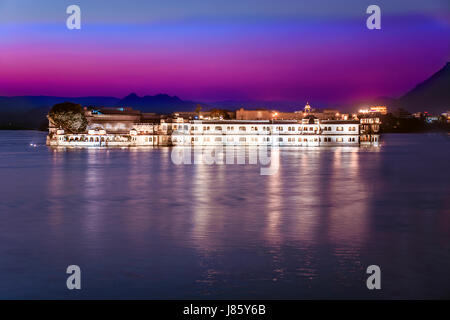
141 227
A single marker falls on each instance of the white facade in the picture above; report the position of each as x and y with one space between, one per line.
289 133
99 138
308 132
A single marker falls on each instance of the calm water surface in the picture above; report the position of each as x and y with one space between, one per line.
140 226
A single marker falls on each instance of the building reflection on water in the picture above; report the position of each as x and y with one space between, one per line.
301 206
314 205
56 191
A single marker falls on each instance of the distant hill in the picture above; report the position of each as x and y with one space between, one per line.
432 95
160 103
26 103
30 111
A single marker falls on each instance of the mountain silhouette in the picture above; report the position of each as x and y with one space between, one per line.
30 111
160 103
432 95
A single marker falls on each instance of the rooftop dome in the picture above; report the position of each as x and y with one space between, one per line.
307 107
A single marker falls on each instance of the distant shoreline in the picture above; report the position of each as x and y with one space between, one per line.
20 129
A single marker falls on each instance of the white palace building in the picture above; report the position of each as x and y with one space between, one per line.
307 132
129 128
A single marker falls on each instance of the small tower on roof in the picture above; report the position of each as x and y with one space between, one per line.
307 108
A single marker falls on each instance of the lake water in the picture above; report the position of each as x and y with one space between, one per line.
140 226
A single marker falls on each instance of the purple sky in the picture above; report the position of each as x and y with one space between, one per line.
264 50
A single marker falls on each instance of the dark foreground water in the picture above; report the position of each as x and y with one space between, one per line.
140 226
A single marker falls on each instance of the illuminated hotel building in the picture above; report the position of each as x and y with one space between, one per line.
375 109
127 128
307 132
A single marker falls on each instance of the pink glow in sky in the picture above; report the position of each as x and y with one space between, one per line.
292 61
